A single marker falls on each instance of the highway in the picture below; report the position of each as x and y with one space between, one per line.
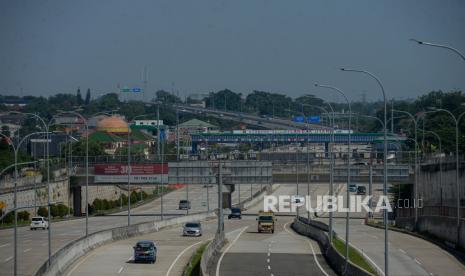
32 245
281 253
269 122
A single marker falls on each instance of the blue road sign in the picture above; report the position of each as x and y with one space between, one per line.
313 119
136 89
298 119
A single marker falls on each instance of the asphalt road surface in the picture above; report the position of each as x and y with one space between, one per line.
33 245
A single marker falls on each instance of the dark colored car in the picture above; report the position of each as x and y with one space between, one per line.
145 251
361 190
235 213
184 204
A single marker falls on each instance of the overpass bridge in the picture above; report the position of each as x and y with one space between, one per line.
323 136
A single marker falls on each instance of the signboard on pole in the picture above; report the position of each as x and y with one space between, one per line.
140 173
314 119
298 119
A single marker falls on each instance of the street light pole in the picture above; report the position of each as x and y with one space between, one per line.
417 169
386 248
348 168
439 46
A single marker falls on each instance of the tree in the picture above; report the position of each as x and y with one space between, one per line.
95 148
42 211
87 102
6 131
167 98
79 97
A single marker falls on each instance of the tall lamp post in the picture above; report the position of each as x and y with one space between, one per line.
349 138
415 188
308 159
386 248
457 163
48 189
439 46
87 159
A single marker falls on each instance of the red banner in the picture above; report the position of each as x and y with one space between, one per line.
137 169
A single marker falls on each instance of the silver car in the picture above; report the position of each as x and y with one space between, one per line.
193 229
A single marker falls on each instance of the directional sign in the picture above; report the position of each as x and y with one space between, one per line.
136 89
125 89
298 119
314 119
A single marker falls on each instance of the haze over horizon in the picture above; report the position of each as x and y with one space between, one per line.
203 46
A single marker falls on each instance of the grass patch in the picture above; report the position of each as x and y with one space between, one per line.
193 268
354 256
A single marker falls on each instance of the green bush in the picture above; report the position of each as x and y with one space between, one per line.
23 216
42 211
133 196
62 210
97 204
9 218
54 211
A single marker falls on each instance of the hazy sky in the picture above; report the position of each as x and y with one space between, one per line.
49 47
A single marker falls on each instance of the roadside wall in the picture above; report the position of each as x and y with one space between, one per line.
332 256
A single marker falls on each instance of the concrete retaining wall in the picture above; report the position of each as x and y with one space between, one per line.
211 254
444 228
63 258
332 256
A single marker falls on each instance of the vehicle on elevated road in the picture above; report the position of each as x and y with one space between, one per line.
192 229
184 204
266 222
235 213
145 251
38 222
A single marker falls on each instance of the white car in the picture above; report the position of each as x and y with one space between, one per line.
39 222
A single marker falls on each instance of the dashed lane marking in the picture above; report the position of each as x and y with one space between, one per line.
8 259
26 250
120 269
3 245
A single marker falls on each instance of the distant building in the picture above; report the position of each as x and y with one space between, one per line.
190 127
113 132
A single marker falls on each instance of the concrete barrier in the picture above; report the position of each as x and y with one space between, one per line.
211 254
332 256
67 255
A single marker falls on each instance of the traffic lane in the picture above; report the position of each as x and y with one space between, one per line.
174 252
32 245
281 253
370 241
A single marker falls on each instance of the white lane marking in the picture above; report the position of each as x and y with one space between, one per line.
268 260
401 250
311 247
8 259
179 256
27 240
417 261
3 245
120 269
26 250
226 250
269 267
269 254
82 261
130 258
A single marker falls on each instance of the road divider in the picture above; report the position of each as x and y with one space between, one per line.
332 256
